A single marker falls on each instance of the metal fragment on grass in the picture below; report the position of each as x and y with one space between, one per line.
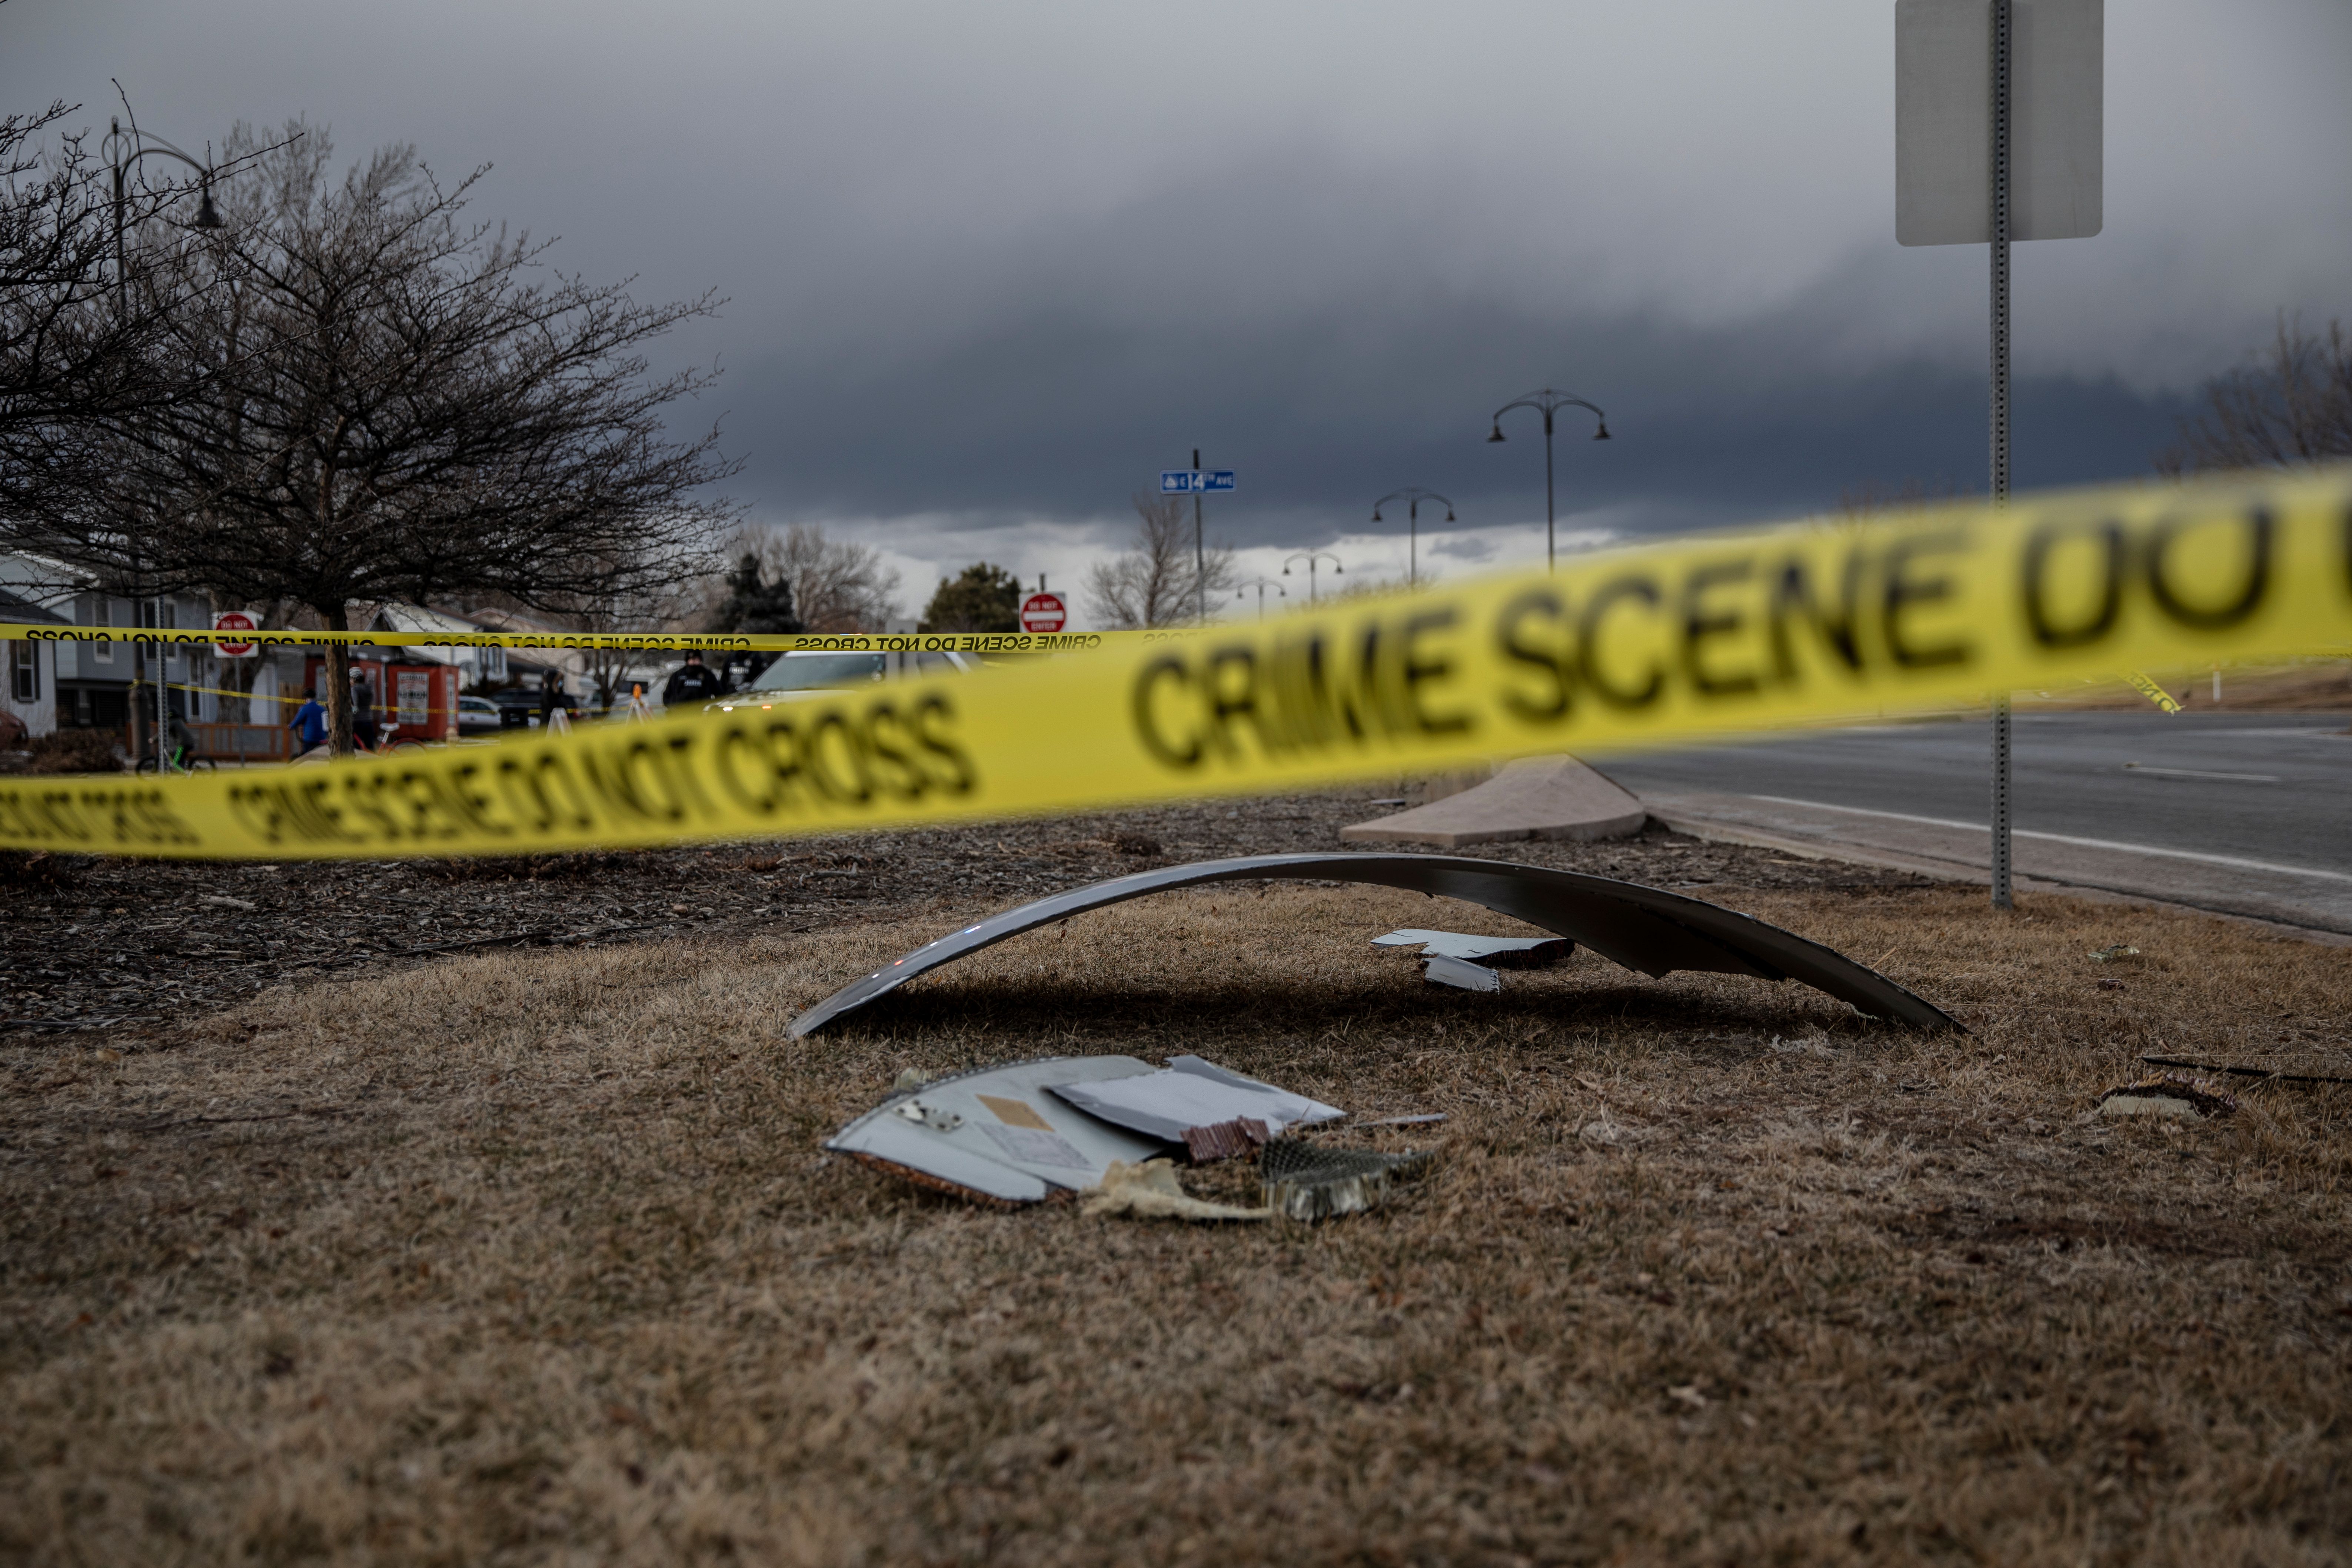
1192 1096
1302 1181
1647 930
1493 951
1439 970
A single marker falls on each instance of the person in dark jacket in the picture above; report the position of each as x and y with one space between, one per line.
551 698
694 682
362 711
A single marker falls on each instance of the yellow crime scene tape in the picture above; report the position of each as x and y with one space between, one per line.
2147 687
982 643
1637 647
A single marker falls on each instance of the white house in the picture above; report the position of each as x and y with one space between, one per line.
88 685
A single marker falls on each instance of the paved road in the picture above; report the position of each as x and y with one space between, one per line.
2244 812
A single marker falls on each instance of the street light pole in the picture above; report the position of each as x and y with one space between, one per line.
1261 584
1413 496
1547 401
1311 557
122 149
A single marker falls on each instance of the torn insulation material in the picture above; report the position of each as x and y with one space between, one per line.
1150 1190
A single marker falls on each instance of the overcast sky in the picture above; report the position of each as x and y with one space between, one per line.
990 268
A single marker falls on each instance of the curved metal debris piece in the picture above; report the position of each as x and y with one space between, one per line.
1643 928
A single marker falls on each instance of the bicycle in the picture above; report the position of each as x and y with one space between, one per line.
181 758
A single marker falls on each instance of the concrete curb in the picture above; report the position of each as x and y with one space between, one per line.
1943 871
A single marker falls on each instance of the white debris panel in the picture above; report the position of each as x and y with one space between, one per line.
998 1134
1189 1096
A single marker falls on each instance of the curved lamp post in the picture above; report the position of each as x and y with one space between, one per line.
1261 584
124 148
1548 401
1413 496
1311 557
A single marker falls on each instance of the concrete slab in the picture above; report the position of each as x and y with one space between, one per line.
1539 797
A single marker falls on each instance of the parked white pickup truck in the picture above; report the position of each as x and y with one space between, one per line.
799 675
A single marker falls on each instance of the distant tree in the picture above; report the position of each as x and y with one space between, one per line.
2293 404
754 606
1871 496
838 584
1158 582
392 407
643 610
982 599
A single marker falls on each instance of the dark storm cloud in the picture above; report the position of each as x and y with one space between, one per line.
1324 411
993 266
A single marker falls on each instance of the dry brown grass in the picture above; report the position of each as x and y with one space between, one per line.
535 1258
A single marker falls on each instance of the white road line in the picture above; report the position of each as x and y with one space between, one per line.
2069 839
2195 774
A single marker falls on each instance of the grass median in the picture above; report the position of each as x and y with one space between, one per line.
534 1257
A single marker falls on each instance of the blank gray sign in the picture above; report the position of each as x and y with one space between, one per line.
1943 120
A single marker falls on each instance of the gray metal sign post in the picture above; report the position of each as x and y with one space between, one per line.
1199 554
2002 39
1195 482
1997 137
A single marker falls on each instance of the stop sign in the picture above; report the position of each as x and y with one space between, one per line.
1043 613
233 621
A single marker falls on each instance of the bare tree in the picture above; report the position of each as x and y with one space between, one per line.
1157 582
1871 497
395 407
2292 405
838 584
74 346
637 609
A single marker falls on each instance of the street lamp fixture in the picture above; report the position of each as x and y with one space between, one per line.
124 148
1261 584
1413 496
1312 557
1547 401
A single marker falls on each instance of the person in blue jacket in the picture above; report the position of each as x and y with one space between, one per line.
308 724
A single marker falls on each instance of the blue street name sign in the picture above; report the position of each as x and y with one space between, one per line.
1194 481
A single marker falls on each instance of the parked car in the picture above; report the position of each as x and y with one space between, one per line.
803 674
477 715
